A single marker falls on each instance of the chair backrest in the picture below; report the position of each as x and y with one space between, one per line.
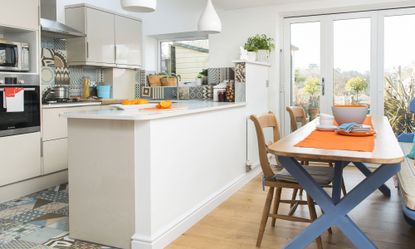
265 121
297 115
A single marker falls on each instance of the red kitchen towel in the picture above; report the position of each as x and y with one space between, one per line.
14 99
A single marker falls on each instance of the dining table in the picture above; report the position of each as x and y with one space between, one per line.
384 160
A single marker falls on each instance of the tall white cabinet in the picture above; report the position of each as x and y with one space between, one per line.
112 40
251 81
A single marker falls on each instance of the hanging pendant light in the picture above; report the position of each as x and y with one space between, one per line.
209 21
139 5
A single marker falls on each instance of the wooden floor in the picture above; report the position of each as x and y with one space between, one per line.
235 223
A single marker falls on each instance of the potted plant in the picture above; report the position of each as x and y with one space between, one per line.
312 87
251 48
356 85
203 75
262 45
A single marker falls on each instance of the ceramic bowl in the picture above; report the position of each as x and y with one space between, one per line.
350 113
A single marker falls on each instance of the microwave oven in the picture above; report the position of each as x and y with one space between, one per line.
14 56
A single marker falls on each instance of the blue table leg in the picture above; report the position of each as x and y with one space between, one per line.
363 168
336 214
338 180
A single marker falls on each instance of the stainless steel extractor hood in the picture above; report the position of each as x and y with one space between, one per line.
51 27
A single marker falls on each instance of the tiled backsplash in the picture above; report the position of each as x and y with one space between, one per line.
55 65
205 92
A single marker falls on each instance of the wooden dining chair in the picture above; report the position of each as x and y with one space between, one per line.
298 118
277 181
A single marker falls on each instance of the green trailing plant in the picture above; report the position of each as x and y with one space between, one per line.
259 42
312 87
397 100
356 85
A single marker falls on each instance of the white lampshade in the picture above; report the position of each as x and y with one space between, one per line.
209 21
139 5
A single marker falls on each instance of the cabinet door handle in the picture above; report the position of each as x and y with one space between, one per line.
115 52
87 49
323 86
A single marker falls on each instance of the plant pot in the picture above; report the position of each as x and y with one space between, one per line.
263 55
252 56
198 82
169 81
313 112
154 80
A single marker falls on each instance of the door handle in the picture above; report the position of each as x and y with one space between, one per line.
323 86
87 50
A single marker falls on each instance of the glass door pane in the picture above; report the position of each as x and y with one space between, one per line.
352 50
305 66
399 71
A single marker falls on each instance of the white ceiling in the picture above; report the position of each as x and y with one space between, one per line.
239 4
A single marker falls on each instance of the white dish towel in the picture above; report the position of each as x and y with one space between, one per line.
13 99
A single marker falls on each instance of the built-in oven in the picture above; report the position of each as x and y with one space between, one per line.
14 56
19 109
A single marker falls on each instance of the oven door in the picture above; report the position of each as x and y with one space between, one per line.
9 57
25 120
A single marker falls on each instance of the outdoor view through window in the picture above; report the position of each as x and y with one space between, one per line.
351 43
187 59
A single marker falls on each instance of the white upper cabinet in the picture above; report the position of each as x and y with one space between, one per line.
100 36
23 14
128 44
112 40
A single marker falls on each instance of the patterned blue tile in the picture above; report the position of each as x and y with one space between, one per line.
20 244
28 216
170 92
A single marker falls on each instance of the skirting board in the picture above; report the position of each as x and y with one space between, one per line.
173 231
30 186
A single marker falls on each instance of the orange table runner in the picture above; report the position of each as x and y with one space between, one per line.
332 141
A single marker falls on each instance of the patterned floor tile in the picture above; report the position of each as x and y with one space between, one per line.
43 235
52 207
21 244
27 216
39 221
14 211
61 196
17 232
7 224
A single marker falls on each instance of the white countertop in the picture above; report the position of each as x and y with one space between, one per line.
67 105
138 113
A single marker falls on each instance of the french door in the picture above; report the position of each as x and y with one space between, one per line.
348 58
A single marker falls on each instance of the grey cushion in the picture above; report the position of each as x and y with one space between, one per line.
323 175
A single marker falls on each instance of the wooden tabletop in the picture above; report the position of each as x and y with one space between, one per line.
387 149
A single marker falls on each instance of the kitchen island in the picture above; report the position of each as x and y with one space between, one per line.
141 177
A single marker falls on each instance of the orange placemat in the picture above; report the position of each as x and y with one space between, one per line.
333 141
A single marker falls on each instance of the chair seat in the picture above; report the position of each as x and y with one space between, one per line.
322 175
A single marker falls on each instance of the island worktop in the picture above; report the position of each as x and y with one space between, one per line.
145 112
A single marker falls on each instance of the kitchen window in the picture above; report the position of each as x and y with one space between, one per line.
187 58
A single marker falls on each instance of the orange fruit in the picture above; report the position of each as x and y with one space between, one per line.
126 102
165 104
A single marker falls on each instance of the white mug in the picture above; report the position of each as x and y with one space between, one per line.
326 119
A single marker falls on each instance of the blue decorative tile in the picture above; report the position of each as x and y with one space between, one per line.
28 216
170 92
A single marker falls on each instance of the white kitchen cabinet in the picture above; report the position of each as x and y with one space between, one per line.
128 41
22 14
55 133
112 39
20 158
55 155
54 126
